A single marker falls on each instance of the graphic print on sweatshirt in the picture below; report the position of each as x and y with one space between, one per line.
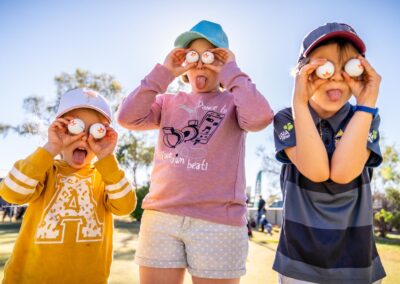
72 202
194 132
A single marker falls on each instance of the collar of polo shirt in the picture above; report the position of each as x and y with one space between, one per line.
334 121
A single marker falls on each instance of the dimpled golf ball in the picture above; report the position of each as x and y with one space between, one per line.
98 130
76 126
325 71
192 56
207 57
354 68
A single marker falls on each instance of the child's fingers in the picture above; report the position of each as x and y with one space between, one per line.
367 66
309 68
353 84
189 66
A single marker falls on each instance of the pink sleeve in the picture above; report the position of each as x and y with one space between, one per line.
253 110
141 109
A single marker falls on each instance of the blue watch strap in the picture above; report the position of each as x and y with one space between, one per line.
373 111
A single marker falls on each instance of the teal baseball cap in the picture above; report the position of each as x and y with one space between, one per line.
210 31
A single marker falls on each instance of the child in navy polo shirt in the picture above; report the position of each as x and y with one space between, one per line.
328 148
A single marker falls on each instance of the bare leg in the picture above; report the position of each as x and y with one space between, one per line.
150 275
197 280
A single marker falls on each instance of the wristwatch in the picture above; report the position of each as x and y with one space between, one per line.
373 111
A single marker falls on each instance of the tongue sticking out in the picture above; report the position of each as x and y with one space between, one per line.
200 82
334 95
79 156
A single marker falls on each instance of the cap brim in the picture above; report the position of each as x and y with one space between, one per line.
354 39
184 39
85 106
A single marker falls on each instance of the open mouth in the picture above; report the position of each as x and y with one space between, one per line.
201 82
79 155
334 94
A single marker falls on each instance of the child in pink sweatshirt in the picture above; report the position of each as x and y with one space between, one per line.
195 213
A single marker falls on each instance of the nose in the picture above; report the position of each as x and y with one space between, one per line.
200 64
337 75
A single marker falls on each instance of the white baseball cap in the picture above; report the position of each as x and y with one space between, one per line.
84 98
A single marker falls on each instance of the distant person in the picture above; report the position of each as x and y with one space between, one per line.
327 147
8 210
195 212
260 209
67 232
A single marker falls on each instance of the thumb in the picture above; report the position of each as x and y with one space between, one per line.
91 141
189 66
351 82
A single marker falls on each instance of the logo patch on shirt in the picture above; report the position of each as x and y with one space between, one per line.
338 136
72 203
373 135
285 134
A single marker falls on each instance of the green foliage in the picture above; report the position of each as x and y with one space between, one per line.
134 153
395 221
393 197
140 195
383 219
389 171
39 113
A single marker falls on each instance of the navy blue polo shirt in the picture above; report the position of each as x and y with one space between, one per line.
327 234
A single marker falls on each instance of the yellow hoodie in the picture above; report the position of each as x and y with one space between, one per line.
67 231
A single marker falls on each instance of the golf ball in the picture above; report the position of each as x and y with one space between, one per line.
76 126
207 57
98 130
354 68
325 71
192 56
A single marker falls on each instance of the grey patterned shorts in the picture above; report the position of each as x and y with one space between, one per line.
206 249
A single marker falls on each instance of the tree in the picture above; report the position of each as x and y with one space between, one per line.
40 113
133 153
387 191
272 169
140 195
132 150
383 219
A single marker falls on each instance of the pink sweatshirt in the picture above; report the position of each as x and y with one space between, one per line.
199 158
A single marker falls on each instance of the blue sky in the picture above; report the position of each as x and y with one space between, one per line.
41 39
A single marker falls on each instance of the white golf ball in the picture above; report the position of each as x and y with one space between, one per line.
98 130
354 68
207 57
325 71
76 126
192 56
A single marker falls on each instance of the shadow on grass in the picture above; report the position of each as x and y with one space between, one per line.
131 226
388 241
7 228
124 255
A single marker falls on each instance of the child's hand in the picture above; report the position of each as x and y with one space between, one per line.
305 84
59 137
222 56
365 90
174 60
104 146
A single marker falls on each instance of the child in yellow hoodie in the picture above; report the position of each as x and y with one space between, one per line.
67 231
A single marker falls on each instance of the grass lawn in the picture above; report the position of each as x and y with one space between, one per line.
261 254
